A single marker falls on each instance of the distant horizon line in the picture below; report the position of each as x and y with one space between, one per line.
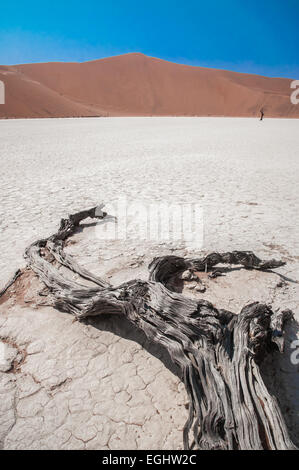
216 68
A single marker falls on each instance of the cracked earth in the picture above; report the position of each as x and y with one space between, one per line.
99 384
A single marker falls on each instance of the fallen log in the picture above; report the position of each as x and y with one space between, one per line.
218 352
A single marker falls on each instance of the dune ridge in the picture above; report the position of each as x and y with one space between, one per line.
138 85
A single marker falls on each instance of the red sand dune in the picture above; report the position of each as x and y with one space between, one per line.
137 85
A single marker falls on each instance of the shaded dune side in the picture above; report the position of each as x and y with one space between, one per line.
27 98
134 84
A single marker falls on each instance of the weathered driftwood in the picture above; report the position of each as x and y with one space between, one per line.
11 281
218 352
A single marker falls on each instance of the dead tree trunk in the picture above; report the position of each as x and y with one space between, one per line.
218 352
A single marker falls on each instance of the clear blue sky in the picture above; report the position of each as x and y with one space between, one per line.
256 36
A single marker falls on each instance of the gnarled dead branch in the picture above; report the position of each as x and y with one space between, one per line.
217 351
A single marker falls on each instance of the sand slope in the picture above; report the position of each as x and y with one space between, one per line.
134 84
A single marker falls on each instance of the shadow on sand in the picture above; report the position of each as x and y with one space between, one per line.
275 370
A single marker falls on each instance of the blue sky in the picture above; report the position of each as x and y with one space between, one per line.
256 36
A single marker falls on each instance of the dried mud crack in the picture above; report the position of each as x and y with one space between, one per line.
218 352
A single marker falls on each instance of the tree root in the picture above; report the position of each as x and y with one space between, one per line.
217 352
11 281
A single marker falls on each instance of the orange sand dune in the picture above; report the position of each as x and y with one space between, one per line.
137 85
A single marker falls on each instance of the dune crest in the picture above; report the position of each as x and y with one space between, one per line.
137 85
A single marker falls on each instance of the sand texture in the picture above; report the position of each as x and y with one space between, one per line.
137 85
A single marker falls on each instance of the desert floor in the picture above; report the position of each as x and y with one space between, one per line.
100 385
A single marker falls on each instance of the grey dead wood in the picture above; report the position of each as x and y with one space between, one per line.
218 352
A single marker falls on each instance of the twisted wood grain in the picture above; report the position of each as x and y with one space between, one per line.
217 351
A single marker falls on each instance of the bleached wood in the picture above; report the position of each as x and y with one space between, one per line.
217 351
